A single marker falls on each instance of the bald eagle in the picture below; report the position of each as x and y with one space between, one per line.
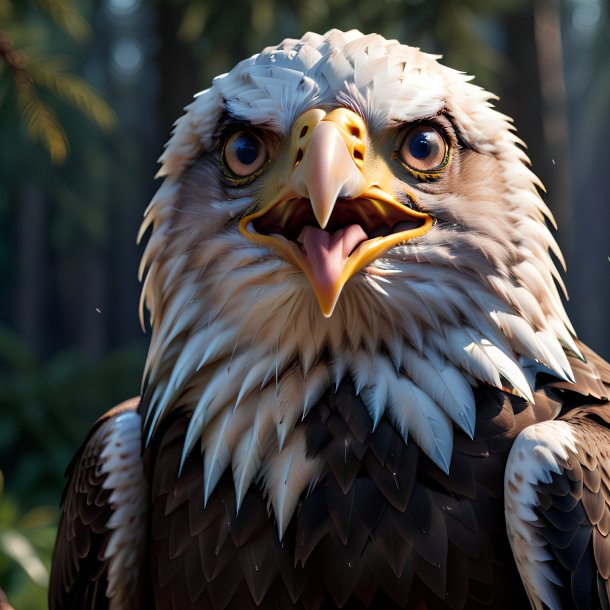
362 389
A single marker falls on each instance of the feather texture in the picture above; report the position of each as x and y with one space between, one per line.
444 384
415 413
286 476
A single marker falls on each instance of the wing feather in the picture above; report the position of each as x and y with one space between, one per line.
556 508
97 560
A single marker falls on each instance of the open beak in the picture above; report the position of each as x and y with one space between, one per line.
329 219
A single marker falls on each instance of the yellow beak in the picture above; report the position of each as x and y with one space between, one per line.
329 219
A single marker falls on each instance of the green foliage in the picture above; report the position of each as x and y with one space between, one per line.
48 407
29 74
26 545
42 124
67 17
47 72
66 154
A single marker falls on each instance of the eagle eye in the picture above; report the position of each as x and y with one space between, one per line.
424 150
243 155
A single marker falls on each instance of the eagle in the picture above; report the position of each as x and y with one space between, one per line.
362 388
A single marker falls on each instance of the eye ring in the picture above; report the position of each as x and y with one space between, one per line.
424 151
243 156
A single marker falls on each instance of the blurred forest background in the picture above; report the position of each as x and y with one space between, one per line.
89 90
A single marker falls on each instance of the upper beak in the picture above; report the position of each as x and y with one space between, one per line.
329 219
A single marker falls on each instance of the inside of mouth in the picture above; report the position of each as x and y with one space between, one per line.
375 218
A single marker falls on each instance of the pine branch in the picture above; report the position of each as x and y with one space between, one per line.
41 122
16 61
73 90
66 17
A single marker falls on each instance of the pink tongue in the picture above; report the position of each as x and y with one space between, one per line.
328 252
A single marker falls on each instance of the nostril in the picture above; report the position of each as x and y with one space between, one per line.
304 131
358 154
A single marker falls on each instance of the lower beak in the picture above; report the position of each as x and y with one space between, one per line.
329 220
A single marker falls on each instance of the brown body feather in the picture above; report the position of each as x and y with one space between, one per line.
383 528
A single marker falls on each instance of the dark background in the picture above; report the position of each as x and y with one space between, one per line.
88 93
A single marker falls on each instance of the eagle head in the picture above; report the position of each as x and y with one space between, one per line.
342 207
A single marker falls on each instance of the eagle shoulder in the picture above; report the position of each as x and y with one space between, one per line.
98 554
557 495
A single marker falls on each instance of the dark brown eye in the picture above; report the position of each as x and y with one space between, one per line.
244 154
424 149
